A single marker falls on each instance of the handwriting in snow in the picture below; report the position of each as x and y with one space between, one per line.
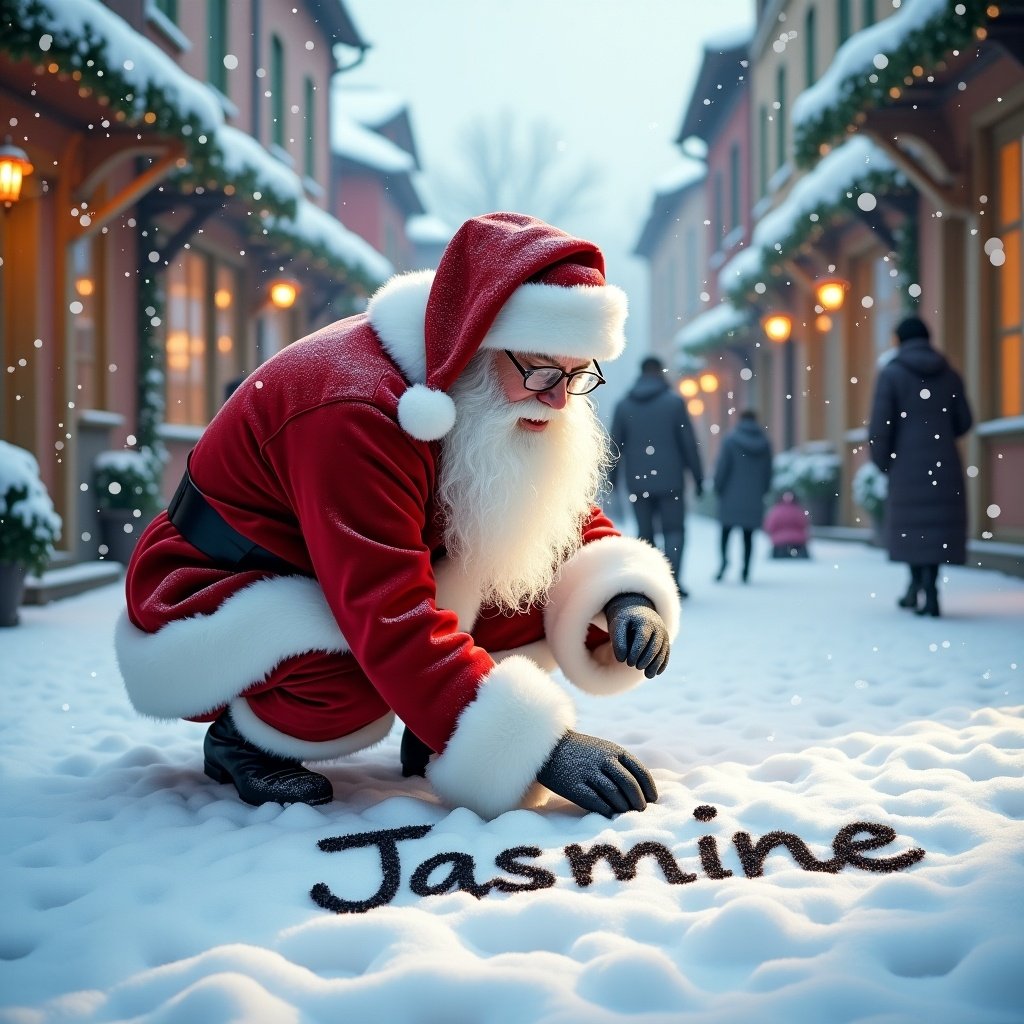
461 874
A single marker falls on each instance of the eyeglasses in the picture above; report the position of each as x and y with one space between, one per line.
544 378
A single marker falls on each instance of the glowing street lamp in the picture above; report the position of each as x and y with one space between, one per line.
831 293
283 293
14 165
708 383
688 387
777 327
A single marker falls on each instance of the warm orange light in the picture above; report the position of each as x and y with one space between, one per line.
14 165
823 323
284 293
831 293
222 298
708 383
695 406
688 387
224 344
84 286
777 326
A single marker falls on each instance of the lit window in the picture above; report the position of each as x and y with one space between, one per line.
1009 279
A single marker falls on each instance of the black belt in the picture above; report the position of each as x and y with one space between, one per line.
202 526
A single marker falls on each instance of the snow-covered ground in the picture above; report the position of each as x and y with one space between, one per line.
136 889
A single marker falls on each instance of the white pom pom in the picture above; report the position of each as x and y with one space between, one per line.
425 413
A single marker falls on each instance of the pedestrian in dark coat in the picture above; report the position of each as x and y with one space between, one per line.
654 435
919 411
743 476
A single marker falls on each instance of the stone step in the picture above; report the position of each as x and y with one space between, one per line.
67 580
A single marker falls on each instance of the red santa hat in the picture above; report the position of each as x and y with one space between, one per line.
505 281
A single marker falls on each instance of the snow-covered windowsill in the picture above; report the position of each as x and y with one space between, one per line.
166 27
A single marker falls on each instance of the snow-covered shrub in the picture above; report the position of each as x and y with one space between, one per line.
870 489
806 474
127 478
29 526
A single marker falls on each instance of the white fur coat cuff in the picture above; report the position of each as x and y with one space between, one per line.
588 581
502 739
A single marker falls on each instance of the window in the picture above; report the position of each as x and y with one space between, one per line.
810 55
780 119
734 186
168 8
868 11
217 44
762 154
310 147
1009 354
202 337
85 329
277 91
692 270
718 223
843 21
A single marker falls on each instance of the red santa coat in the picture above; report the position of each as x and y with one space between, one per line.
308 460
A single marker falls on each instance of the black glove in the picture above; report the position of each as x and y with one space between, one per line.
637 633
597 775
414 754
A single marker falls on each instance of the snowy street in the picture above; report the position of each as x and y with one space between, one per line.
138 889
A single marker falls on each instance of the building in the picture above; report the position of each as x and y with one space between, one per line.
175 229
885 143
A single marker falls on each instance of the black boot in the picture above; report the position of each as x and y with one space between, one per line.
259 777
910 598
721 572
930 589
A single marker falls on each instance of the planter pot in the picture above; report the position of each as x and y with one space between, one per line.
12 589
821 509
116 535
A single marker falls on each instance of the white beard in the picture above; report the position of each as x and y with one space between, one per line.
514 502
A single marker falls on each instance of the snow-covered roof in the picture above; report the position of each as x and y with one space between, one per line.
362 145
241 154
843 171
73 24
856 57
711 327
428 229
684 173
317 229
369 105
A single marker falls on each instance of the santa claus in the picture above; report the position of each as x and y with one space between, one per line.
395 516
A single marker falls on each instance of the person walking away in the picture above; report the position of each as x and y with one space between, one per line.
743 476
653 432
787 529
918 412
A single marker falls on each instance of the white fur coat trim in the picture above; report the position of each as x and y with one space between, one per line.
266 737
502 739
194 665
588 580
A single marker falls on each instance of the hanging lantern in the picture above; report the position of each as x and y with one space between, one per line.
777 326
14 165
831 293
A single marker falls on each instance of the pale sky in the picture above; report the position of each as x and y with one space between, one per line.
614 76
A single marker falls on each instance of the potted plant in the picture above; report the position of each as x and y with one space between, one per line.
127 487
870 490
813 476
29 526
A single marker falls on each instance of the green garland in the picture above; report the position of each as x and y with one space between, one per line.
807 230
922 47
908 261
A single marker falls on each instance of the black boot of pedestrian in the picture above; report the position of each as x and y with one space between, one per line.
930 589
721 572
910 598
259 777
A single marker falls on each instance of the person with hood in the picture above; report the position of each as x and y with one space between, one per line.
918 412
743 476
652 431
395 516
